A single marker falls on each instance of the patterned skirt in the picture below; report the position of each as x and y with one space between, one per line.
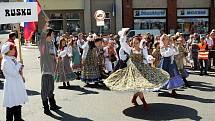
137 77
90 70
64 73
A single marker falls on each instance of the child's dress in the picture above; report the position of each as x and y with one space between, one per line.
14 88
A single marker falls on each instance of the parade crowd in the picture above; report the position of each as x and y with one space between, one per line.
139 63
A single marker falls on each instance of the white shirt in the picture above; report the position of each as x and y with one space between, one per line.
80 43
122 54
209 42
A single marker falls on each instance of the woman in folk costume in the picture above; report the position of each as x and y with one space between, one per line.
75 63
15 93
137 76
168 64
63 70
180 58
90 70
111 56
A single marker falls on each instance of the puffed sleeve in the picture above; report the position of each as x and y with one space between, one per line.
167 52
85 51
124 45
69 53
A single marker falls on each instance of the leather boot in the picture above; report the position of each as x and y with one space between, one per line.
53 105
134 100
18 113
145 105
46 108
9 114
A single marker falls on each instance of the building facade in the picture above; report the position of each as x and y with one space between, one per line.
75 16
186 16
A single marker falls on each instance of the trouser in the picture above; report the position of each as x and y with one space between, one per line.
47 87
205 67
14 112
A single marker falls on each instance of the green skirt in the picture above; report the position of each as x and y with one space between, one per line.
137 76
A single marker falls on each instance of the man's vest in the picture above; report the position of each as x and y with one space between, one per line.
203 53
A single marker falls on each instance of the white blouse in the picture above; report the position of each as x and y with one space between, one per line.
128 49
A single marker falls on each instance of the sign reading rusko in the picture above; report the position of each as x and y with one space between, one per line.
17 12
100 17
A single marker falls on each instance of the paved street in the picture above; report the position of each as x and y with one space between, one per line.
100 104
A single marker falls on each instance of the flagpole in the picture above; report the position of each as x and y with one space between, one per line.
19 41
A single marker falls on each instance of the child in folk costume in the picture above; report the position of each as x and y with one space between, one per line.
63 70
90 70
138 76
75 57
110 55
203 56
180 58
156 54
15 93
168 64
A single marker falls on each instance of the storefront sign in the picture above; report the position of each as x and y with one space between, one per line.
17 12
149 13
192 12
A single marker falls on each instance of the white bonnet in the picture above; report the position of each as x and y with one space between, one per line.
6 47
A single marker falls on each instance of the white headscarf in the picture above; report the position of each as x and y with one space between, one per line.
6 47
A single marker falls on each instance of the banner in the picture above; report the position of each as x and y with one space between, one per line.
17 12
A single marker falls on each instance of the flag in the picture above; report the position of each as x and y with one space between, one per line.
30 27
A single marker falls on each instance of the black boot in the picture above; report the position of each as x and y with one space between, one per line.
53 105
46 108
9 114
186 82
68 84
18 113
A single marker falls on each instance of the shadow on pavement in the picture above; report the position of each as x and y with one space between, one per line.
100 86
162 111
81 89
67 117
202 86
211 74
32 92
188 97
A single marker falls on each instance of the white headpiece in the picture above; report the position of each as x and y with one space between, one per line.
6 47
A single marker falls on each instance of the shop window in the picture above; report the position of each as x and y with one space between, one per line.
193 25
73 22
143 24
56 21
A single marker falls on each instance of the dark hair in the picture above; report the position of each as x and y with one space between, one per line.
91 44
49 32
98 39
156 44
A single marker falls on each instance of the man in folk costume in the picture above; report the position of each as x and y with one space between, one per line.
15 93
47 63
203 56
